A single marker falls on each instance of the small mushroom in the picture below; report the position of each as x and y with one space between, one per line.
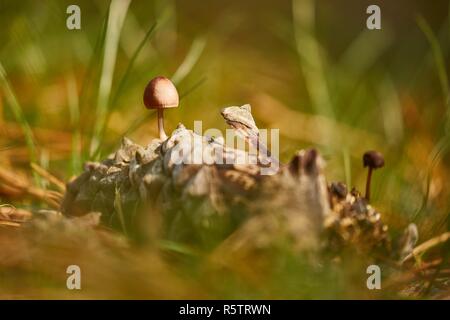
160 94
373 160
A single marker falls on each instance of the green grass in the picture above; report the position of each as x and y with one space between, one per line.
117 13
20 118
441 147
311 57
18 114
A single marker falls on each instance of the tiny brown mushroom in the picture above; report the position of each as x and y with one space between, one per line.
373 160
160 94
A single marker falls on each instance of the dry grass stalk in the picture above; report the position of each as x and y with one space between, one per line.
20 187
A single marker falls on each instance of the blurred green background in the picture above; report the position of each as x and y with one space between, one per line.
310 68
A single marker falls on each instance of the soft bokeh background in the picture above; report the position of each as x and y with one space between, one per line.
309 68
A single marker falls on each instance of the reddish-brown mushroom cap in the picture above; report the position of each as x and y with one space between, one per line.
160 93
373 159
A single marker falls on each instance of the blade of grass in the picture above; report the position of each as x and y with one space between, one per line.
437 55
124 80
44 161
135 55
391 112
93 61
363 52
177 248
442 146
347 77
20 118
74 111
193 87
18 114
311 63
116 18
310 55
197 47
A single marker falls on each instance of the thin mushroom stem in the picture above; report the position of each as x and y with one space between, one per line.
162 134
369 177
